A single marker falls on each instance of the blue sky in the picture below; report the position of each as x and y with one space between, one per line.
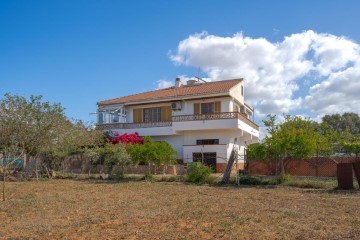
81 52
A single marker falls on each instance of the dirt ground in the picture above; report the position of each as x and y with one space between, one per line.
69 209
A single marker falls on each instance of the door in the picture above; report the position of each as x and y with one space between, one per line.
206 158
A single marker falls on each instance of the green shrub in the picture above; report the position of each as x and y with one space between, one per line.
250 180
149 177
283 178
198 173
118 173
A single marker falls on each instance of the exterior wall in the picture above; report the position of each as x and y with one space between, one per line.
221 167
320 167
205 125
153 132
235 92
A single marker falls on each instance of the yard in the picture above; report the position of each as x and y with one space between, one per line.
90 209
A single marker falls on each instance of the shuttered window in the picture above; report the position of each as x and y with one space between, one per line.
204 108
152 114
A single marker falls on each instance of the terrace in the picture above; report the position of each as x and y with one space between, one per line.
180 118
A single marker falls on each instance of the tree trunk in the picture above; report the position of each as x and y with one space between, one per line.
149 168
25 160
282 166
4 179
47 171
36 170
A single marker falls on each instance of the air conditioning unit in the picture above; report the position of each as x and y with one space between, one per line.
176 106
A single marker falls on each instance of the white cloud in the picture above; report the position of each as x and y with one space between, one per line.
340 92
164 84
308 70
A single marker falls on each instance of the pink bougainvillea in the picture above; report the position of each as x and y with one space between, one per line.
125 138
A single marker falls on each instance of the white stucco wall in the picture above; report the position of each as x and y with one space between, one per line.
154 131
235 92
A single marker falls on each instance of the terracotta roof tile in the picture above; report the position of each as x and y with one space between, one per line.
166 93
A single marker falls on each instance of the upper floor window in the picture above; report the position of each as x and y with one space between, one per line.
242 90
155 114
152 114
209 107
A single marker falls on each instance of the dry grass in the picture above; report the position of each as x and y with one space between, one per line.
68 209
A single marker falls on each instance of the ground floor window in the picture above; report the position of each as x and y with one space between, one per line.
206 158
207 141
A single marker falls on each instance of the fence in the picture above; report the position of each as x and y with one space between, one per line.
316 166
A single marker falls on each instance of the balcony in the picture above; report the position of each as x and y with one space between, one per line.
180 118
109 126
215 116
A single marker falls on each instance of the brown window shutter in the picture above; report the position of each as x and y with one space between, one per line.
217 107
168 113
137 115
196 108
165 113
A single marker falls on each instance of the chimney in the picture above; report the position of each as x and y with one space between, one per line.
177 82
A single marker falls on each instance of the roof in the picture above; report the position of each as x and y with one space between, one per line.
173 92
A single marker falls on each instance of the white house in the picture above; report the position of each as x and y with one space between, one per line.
203 121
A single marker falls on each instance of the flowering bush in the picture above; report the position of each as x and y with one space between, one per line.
132 138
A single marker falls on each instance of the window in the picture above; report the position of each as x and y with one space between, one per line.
101 118
242 90
115 117
207 141
204 108
207 108
152 114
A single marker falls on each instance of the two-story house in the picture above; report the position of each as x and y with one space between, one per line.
203 121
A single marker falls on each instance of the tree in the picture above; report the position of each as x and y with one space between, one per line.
115 155
295 138
349 121
151 152
75 139
352 146
165 154
27 126
8 157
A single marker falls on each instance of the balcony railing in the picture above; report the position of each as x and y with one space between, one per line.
215 116
109 126
180 118
207 116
